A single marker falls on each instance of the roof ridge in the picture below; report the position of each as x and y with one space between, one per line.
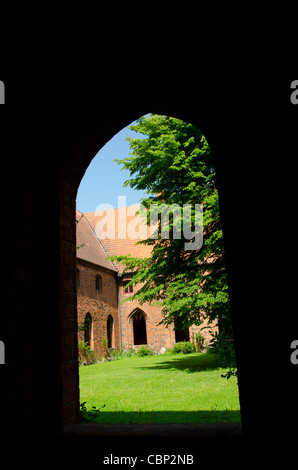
80 215
98 240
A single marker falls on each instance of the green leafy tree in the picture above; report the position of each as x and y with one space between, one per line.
173 164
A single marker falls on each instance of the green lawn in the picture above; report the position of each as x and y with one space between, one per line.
160 389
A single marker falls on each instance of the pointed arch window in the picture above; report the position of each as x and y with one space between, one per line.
181 333
127 288
88 329
110 322
98 283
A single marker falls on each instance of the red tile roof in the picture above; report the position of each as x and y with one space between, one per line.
89 247
126 230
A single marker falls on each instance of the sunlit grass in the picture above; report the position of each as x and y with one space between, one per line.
176 388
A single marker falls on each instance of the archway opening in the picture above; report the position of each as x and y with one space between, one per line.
124 331
138 320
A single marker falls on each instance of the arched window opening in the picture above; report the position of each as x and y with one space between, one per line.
181 334
132 329
88 329
127 288
139 327
98 283
110 322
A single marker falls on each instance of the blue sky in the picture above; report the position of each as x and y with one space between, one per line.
103 180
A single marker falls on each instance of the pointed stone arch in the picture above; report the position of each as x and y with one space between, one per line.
88 329
138 320
110 331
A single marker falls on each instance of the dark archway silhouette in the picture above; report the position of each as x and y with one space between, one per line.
88 146
231 115
85 149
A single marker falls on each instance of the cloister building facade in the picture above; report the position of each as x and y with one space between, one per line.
104 321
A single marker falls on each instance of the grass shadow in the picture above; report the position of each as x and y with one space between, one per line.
138 417
190 364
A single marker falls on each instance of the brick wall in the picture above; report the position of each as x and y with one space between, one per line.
69 372
158 337
102 304
99 304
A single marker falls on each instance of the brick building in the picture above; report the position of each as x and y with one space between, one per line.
102 286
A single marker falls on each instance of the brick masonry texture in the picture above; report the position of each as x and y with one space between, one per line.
98 304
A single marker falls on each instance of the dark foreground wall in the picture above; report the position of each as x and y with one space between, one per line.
45 151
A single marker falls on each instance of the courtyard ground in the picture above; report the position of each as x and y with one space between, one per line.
159 389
